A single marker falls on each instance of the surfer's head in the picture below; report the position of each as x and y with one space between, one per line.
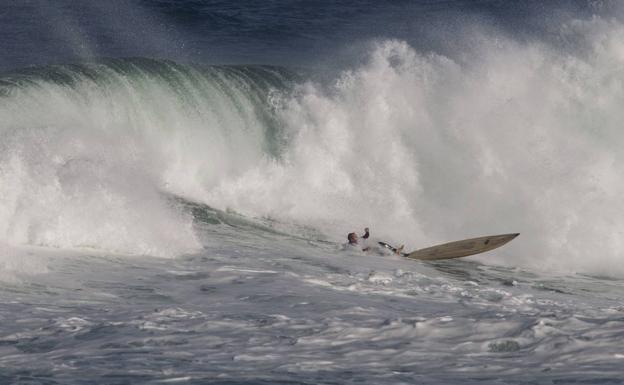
353 238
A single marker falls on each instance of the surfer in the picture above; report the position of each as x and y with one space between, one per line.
353 239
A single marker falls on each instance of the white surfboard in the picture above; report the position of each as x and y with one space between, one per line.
461 248
455 249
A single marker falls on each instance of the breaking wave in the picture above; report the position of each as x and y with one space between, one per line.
421 147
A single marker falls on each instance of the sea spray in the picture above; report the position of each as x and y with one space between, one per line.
425 149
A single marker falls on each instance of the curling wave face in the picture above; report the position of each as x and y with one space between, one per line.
89 153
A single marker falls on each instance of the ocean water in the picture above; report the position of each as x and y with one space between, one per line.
177 179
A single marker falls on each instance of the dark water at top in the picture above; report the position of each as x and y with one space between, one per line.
38 32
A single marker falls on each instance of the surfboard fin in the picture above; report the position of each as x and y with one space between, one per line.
397 251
